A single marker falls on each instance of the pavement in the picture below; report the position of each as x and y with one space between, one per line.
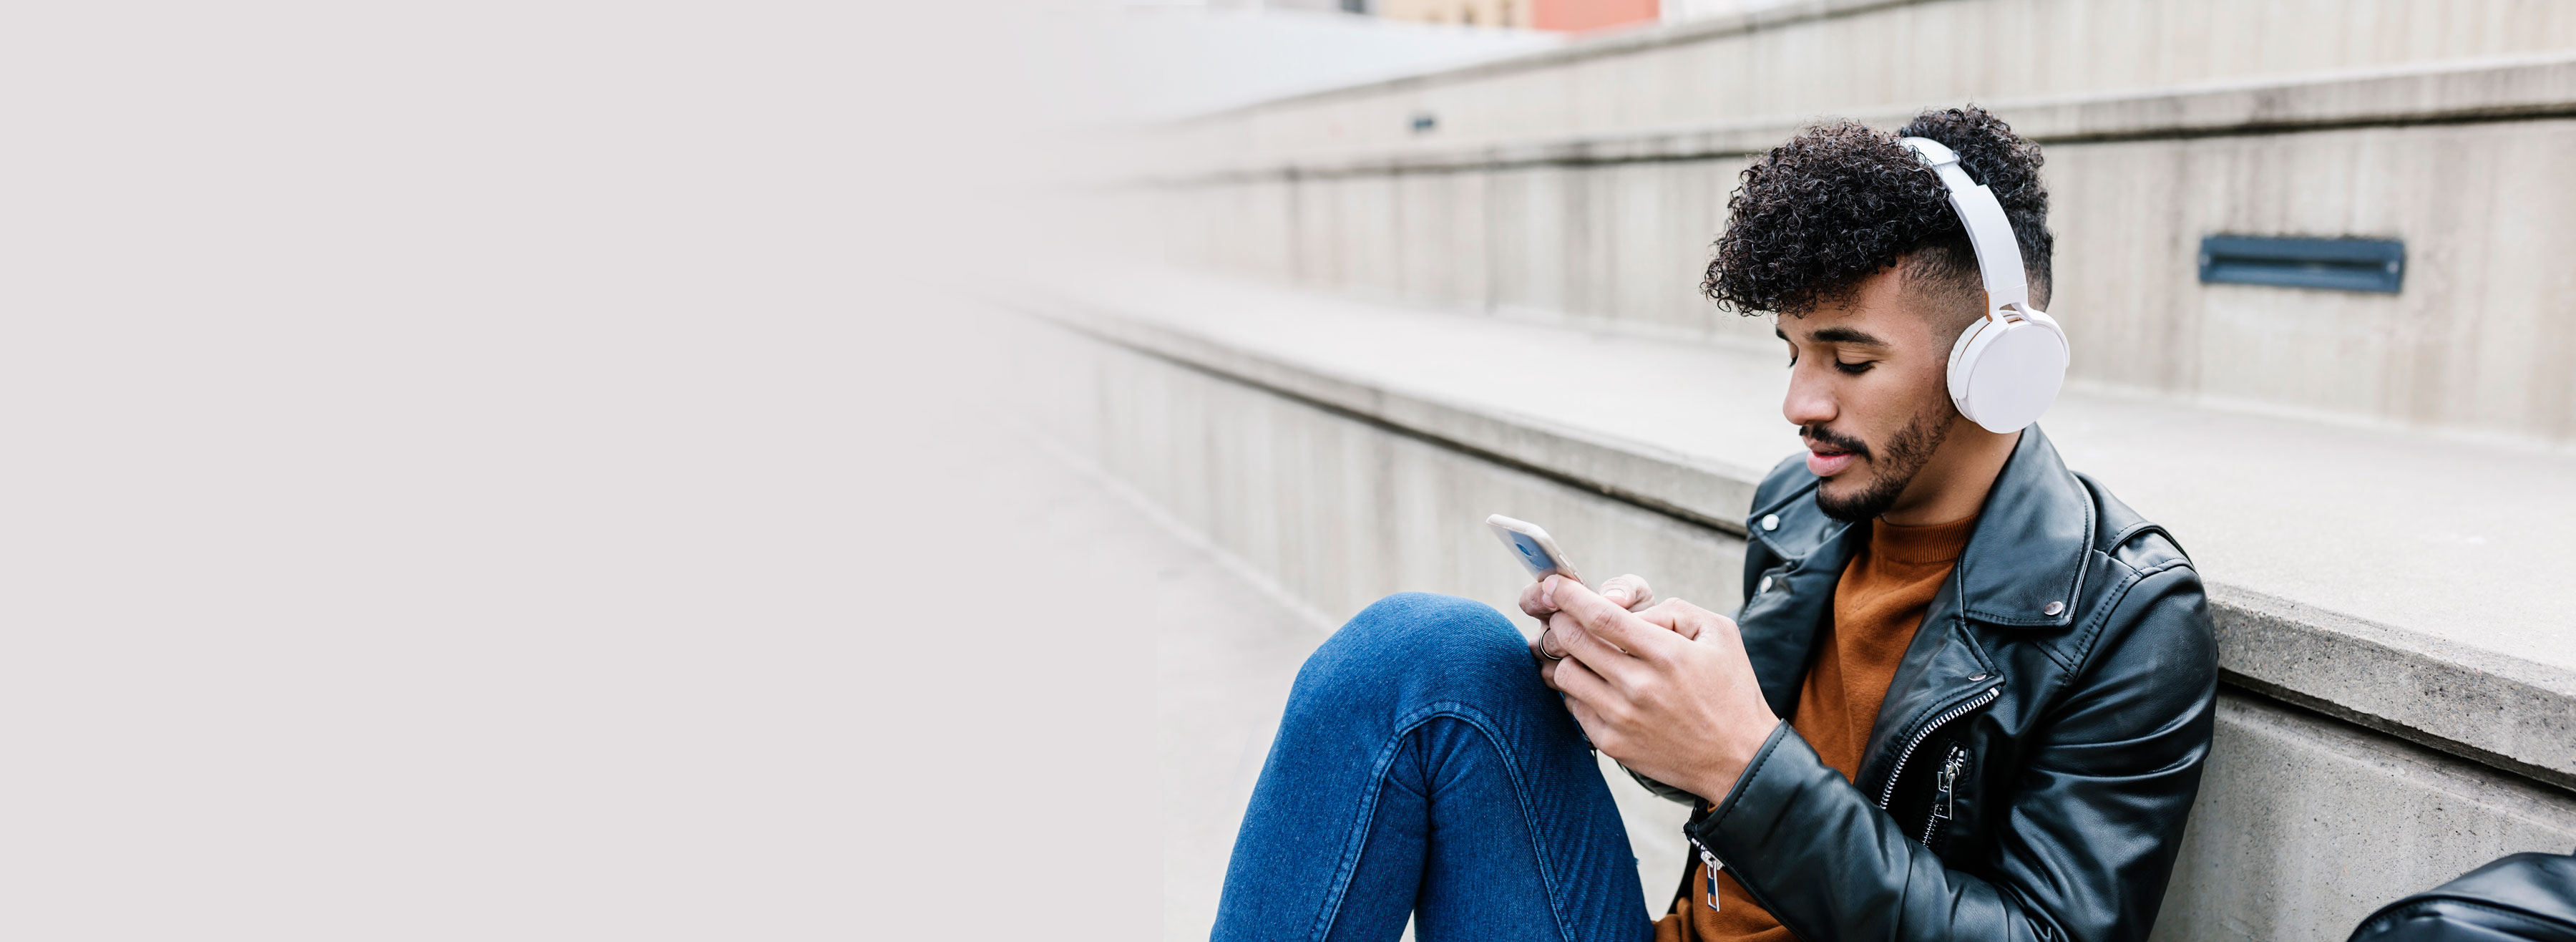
1225 647
1225 653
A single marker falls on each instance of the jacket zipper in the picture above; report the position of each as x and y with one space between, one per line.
1945 795
1920 735
1951 768
1708 878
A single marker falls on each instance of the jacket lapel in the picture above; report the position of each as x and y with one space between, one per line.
2025 564
1780 623
2024 567
1942 667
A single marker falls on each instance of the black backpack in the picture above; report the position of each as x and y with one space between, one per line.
2521 897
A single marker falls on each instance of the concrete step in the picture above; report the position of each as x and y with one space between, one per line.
2411 583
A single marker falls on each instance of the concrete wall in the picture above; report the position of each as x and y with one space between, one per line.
1586 184
1340 511
2304 825
2483 338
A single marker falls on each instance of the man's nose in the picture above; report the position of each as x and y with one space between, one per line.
1810 400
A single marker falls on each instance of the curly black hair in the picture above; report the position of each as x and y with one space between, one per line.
1841 202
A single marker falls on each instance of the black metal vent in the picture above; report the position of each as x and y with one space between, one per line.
2375 265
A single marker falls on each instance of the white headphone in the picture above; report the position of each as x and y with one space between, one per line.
2007 367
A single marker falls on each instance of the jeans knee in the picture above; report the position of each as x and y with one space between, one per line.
1424 645
1421 623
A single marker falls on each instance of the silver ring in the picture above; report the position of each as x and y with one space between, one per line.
1542 648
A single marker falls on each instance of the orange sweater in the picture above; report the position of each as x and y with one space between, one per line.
1877 606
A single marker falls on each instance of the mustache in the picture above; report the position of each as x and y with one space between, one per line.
1821 434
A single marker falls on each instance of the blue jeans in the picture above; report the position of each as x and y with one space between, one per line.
1423 769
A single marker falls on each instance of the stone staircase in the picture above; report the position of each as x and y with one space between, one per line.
1354 341
2400 700
1583 185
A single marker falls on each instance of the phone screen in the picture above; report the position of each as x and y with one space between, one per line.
1533 555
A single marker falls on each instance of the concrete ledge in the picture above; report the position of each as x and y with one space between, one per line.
2495 89
2542 85
2506 712
2305 826
1697 490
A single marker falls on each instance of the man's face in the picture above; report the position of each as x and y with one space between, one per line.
1868 393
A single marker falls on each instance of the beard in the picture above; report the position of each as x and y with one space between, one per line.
1895 466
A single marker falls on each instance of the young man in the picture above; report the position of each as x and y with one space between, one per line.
1967 697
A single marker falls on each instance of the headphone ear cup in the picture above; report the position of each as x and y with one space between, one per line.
1958 376
2002 376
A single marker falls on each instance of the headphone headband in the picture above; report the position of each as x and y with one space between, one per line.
1990 232
2006 369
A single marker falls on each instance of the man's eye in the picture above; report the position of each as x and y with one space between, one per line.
1854 369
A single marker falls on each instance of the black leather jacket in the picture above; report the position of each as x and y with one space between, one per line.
2040 745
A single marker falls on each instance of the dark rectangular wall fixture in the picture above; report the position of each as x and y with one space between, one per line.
2376 265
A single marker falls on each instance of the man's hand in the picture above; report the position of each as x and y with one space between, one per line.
1629 592
1667 691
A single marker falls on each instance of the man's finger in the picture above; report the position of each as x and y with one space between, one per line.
1613 624
1552 652
1628 592
1696 623
1673 614
1571 636
1534 601
1573 679
1588 718
1615 667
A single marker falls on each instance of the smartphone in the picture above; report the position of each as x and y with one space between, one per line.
1531 545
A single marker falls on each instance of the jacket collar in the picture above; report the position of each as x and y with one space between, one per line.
2026 562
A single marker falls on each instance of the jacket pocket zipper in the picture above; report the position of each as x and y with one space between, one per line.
1920 735
1945 794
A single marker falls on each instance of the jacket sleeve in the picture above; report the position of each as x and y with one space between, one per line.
1659 789
2083 850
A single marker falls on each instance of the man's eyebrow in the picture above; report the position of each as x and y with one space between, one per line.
1846 335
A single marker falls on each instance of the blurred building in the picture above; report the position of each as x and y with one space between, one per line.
1558 15
1676 11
